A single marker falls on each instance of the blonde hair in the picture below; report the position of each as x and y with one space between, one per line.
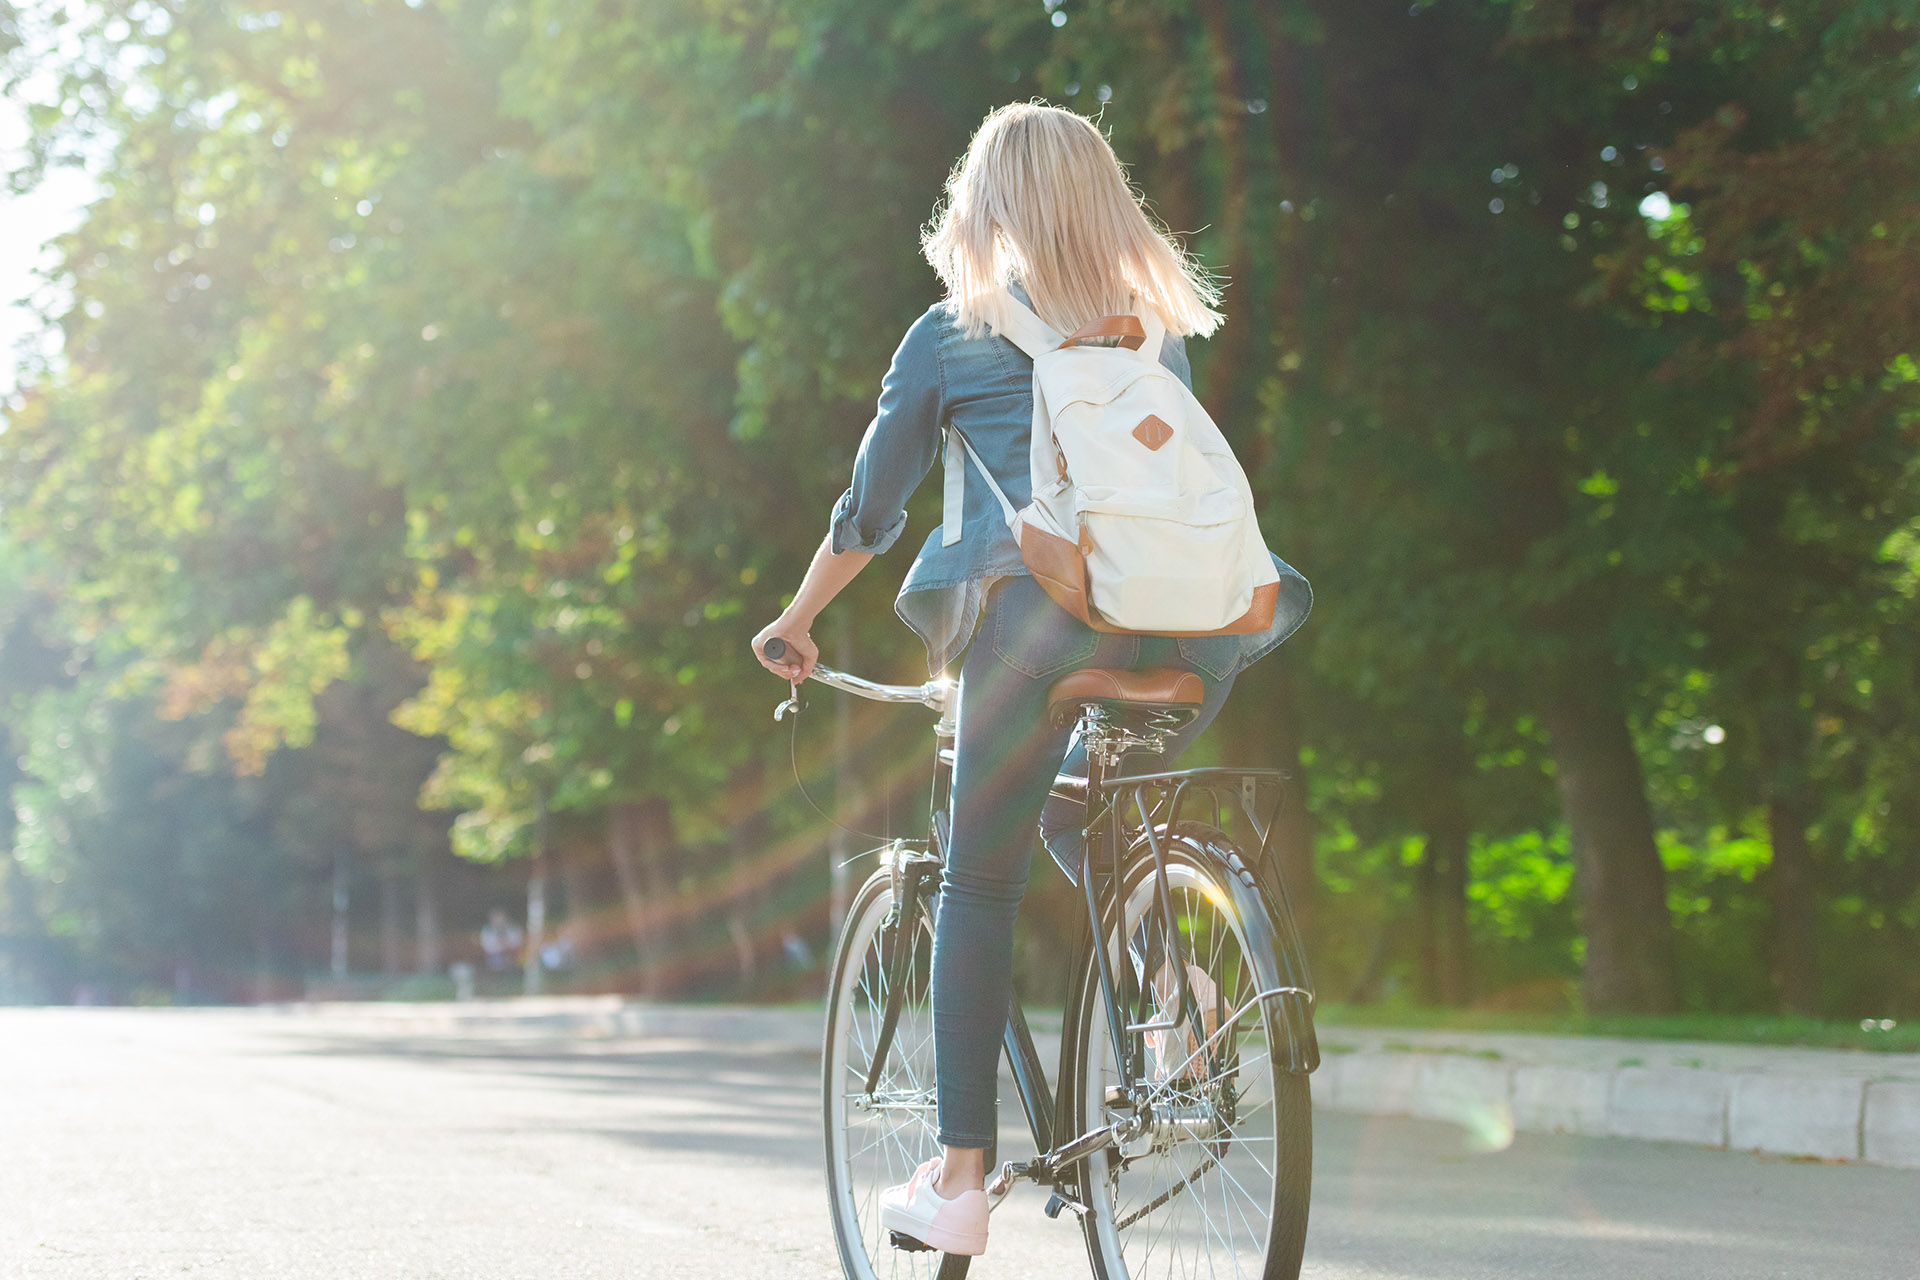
1040 196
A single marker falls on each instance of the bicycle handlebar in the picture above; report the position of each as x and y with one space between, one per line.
932 694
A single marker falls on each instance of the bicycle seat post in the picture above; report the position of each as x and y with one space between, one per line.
1119 711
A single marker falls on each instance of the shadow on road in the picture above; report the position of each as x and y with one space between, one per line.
1392 1197
754 1101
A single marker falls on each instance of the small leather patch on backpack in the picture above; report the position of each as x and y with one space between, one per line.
1153 431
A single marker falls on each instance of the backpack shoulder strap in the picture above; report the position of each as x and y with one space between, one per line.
1156 334
1015 321
953 495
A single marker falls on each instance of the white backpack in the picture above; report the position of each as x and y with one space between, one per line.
1141 518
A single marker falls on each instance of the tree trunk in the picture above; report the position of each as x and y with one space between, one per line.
1617 871
623 836
1440 887
750 836
743 951
1293 831
337 941
390 945
1245 150
1792 892
533 968
1447 851
426 906
1366 987
576 898
1426 925
655 847
1792 887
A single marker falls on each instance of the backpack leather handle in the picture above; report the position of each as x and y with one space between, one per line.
1126 328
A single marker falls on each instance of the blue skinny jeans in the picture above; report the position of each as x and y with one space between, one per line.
1005 759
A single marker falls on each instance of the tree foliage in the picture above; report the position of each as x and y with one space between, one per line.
1571 351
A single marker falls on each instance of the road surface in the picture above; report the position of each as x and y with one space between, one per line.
243 1144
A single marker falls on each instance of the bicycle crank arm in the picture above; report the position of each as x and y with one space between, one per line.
1031 1171
1065 1157
1049 1167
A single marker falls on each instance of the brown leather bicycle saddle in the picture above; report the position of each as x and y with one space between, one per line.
1154 689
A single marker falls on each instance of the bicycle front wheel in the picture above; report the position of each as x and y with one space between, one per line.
1215 1177
877 1140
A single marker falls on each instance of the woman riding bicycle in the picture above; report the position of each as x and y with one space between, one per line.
1039 206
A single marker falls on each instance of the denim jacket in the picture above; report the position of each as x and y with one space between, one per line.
983 386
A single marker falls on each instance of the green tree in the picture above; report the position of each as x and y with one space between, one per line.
1570 352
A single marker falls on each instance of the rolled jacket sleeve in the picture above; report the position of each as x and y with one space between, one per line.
899 447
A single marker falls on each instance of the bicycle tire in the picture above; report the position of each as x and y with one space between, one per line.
869 1149
1203 1151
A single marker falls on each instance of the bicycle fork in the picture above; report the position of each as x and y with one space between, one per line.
907 868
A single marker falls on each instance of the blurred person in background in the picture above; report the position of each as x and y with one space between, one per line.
501 940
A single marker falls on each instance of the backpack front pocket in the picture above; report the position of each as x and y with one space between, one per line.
1167 565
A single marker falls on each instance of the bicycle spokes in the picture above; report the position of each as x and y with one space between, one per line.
1190 1187
878 1136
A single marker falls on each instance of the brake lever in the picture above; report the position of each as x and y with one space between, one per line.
793 703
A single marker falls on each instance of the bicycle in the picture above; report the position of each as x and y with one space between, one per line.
1180 1131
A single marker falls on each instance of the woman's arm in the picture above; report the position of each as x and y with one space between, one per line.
896 453
826 577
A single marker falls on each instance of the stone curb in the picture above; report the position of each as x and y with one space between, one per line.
1832 1117
1822 1104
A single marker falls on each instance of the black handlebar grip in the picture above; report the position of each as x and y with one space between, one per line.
774 648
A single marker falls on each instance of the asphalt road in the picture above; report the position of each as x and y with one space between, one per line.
246 1145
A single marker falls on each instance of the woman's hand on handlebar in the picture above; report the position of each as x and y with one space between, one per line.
796 653
796 649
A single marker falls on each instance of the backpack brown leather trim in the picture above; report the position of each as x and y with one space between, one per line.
1128 329
1257 618
1153 431
1060 568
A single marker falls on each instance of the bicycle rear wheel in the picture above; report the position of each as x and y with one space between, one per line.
876 1142
1216 1180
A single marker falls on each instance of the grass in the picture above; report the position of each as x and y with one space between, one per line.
1727 1028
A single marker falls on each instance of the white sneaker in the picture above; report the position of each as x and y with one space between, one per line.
1174 1051
917 1212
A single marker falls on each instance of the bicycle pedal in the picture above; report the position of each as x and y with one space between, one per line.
1056 1202
1010 1172
907 1244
